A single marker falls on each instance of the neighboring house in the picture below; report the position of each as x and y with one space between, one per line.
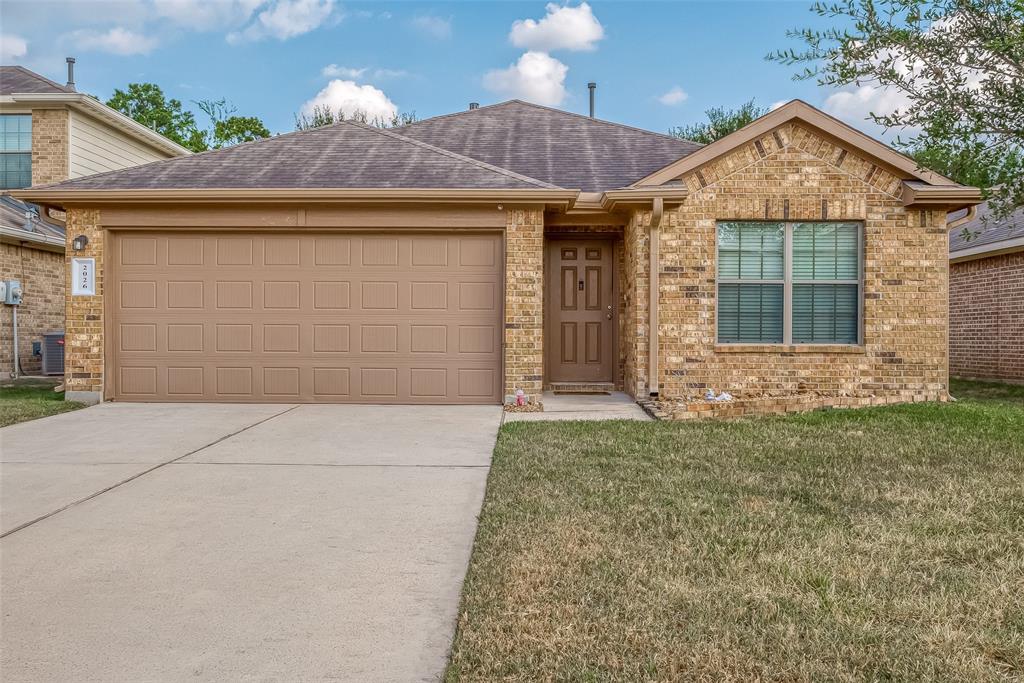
986 298
462 258
50 133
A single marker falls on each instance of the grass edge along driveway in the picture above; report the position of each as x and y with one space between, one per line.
874 544
24 402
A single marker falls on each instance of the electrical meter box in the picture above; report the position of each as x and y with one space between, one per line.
13 294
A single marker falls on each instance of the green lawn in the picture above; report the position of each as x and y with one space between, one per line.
883 544
28 402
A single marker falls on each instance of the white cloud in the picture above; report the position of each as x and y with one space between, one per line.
206 15
117 41
675 95
536 77
12 47
350 97
776 105
435 27
285 19
856 106
562 28
335 71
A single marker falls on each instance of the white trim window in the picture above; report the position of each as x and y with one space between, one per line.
15 151
790 283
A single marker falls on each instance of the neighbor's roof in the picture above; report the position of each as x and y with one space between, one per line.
984 235
558 147
343 155
24 222
18 79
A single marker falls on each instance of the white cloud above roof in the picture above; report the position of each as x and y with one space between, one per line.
535 77
286 19
675 95
12 47
116 41
207 15
562 28
350 98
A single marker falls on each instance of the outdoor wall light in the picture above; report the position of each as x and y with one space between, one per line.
78 244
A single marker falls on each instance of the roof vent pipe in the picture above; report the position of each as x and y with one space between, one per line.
592 86
71 73
474 105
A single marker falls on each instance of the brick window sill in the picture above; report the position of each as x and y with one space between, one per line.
790 348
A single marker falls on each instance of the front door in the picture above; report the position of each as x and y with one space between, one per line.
581 311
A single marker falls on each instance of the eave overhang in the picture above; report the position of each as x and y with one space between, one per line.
95 108
559 199
643 197
952 197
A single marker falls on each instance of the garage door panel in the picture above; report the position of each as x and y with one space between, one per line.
310 318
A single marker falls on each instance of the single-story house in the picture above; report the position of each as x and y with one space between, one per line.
986 298
513 248
50 133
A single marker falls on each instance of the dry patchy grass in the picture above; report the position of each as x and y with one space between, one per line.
881 544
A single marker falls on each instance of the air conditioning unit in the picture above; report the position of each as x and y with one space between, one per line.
53 353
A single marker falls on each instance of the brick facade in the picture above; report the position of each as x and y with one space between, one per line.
986 318
83 348
793 174
50 146
41 274
524 302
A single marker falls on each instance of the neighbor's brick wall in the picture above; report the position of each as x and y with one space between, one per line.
41 274
50 146
83 348
986 318
793 174
524 302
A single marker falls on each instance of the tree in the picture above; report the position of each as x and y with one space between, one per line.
229 129
959 65
322 115
146 103
721 122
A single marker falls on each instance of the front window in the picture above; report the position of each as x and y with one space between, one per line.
791 283
15 151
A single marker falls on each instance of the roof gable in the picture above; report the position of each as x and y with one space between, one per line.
558 147
18 79
797 110
343 155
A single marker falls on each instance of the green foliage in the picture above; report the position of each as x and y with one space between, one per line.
323 116
960 65
147 104
721 122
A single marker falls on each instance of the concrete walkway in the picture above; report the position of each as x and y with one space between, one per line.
614 406
228 542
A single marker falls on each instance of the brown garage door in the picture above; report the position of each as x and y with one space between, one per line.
343 317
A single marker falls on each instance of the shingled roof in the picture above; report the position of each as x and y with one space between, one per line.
983 233
340 156
18 79
561 148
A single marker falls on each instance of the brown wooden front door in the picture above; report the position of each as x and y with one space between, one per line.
581 311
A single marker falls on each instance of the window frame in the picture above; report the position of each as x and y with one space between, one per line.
788 281
19 152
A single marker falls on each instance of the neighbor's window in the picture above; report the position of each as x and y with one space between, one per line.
793 283
15 151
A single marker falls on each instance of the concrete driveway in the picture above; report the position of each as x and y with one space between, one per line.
158 542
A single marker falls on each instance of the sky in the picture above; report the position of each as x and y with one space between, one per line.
657 64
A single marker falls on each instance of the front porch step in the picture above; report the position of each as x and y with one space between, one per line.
582 387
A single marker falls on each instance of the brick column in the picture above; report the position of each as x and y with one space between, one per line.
83 333
524 303
50 146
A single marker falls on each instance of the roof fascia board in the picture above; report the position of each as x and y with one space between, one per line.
805 113
613 200
16 235
986 250
96 108
950 197
557 198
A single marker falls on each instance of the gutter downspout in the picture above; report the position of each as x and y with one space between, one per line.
657 212
972 211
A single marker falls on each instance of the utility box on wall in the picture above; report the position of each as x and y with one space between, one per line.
13 293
